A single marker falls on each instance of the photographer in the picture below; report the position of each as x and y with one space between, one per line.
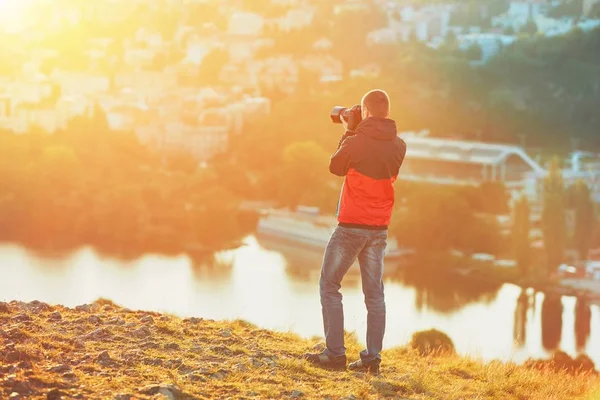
369 156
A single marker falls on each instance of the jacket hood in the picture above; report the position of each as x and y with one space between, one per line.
378 128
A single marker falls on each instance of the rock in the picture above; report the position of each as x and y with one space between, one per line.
12 356
196 378
38 307
165 318
150 345
171 391
104 358
130 325
296 394
225 333
69 376
123 397
384 388
147 320
156 362
221 350
241 367
193 320
270 362
22 387
561 361
116 321
142 332
185 369
172 346
22 318
256 363
218 376
25 365
173 364
584 363
4 308
15 334
15 396
55 316
94 319
60 368
98 334
84 308
55 394
432 342
351 397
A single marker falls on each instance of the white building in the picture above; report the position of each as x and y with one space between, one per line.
80 83
457 162
242 23
490 43
296 18
588 6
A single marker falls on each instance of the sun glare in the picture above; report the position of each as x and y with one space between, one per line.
10 9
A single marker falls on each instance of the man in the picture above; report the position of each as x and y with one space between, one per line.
369 156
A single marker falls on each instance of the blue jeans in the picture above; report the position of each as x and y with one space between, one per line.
344 247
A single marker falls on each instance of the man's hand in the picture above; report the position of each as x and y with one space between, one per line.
354 119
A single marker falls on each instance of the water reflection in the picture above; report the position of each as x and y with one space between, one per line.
583 320
521 316
552 322
277 288
446 293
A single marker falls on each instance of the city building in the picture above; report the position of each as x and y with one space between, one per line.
490 43
458 162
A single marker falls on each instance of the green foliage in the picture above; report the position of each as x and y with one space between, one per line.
521 229
530 28
553 217
304 176
585 219
435 218
89 185
474 53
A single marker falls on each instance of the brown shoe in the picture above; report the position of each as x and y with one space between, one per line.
322 360
371 367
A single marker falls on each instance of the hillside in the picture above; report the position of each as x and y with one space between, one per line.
103 351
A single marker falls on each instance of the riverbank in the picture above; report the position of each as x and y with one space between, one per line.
104 351
581 288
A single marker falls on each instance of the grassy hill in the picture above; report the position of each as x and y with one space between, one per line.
103 351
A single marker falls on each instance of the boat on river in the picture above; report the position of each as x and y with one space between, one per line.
307 228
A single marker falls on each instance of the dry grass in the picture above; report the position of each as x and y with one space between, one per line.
219 360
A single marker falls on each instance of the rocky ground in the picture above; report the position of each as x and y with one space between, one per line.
103 351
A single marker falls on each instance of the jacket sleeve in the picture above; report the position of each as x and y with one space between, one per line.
340 160
401 155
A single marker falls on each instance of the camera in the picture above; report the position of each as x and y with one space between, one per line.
340 112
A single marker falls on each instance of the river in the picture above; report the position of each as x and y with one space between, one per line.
276 287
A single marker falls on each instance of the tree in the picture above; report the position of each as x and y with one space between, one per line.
474 52
304 174
585 219
554 223
520 235
530 28
552 311
436 219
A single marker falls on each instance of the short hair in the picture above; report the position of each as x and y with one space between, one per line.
378 103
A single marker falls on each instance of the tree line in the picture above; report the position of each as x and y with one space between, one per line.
89 185
569 221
